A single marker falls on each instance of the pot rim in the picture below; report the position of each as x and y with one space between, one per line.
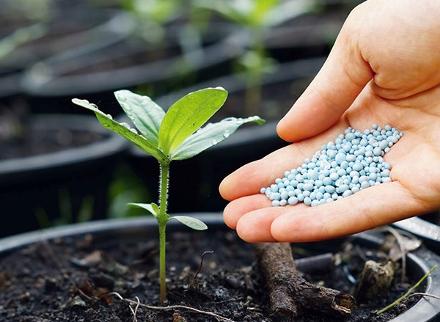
109 146
51 85
421 228
108 32
423 310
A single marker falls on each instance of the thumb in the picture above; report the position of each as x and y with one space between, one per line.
342 77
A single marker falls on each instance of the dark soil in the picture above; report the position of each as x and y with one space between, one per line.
66 280
20 139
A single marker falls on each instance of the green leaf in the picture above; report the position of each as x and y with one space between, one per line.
210 135
152 208
187 115
191 222
145 114
155 208
120 128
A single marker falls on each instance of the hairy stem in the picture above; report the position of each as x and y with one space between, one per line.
162 220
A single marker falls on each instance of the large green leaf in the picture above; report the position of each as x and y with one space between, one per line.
210 135
187 115
191 222
145 114
152 208
122 129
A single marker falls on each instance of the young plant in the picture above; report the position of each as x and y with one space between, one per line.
174 135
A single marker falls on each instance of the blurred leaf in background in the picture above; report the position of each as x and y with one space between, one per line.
152 16
19 37
34 10
125 188
65 215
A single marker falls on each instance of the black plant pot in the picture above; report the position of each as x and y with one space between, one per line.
426 228
46 187
194 182
79 31
131 64
310 35
137 229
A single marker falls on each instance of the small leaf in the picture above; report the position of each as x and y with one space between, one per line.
210 135
121 129
191 222
155 208
145 114
152 208
187 115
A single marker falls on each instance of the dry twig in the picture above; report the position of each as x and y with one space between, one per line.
171 307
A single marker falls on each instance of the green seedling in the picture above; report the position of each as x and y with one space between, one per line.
175 135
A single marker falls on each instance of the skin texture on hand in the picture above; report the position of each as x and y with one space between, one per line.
384 68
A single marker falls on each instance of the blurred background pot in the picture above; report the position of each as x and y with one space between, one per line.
54 169
79 31
426 227
183 56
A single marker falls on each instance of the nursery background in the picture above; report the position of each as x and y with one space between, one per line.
58 166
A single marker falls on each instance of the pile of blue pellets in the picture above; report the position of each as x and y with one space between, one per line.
354 161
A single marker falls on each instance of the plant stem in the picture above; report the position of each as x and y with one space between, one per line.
162 221
407 293
162 263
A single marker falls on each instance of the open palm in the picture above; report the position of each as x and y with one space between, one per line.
383 69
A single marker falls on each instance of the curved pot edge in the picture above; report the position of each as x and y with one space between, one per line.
111 145
221 51
423 310
110 26
421 228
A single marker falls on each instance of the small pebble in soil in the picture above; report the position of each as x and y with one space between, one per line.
352 162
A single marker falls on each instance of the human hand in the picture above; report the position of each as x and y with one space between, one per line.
384 68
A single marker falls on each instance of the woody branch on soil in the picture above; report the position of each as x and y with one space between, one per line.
289 292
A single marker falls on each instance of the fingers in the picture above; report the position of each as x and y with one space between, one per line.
234 210
255 227
340 80
249 179
388 203
300 223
